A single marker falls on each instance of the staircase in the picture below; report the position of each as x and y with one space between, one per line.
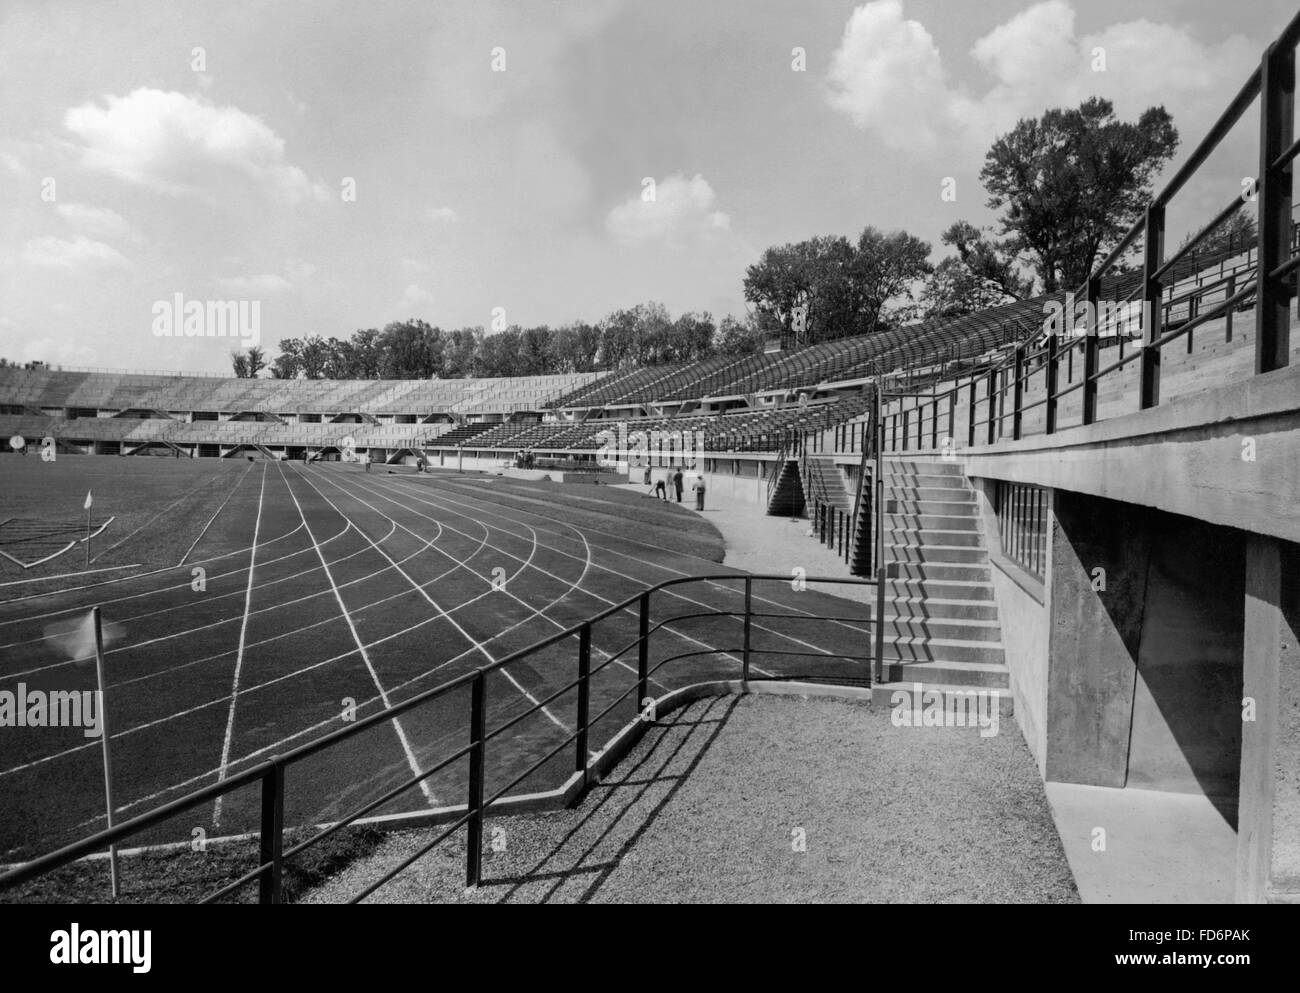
941 622
786 494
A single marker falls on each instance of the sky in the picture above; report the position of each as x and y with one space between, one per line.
344 165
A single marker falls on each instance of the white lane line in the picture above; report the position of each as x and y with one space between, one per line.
479 645
356 637
573 586
239 656
722 587
604 568
714 583
232 492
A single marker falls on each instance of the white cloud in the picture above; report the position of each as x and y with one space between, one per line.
249 285
178 144
414 297
78 252
98 221
682 211
441 214
888 76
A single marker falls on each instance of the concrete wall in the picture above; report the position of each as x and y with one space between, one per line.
1268 832
1145 672
1230 456
1022 613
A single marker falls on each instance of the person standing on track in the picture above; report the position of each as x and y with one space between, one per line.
677 484
648 479
699 492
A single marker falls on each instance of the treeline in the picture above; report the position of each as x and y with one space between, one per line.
644 335
1068 185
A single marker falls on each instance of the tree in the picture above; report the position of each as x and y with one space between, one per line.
991 262
739 337
827 288
239 363
1232 236
288 363
1073 181
314 356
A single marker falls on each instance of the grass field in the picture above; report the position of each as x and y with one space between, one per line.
327 593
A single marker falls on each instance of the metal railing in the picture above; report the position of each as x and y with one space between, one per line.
1267 280
272 775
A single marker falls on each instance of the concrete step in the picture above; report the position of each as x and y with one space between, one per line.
883 696
945 493
926 537
935 553
988 672
978 572
960 509
932 480
925 607
943 628
906 465
930 522
953 589
908 648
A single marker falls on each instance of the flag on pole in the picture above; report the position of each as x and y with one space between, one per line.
89 499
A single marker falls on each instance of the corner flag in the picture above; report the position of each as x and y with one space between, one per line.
89 499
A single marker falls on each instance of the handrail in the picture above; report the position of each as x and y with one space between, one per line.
271 772
1267 277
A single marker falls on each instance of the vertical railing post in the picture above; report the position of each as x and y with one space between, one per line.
1091 347
993 377
970 426
1053 361
271 837
879 543
584 699
1273 295
474 801
1153 250
749 594
1227 323
643 651
905 413
1017 392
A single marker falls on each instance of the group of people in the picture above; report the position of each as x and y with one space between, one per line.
659 487
524 459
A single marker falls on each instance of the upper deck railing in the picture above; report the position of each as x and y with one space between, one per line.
996 393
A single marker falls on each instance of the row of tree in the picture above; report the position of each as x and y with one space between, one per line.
644 335
1068 185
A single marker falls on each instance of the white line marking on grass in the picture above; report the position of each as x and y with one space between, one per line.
232 492
122 579
713 583
66 575
604 568
436 606
239 657
356 637
573 586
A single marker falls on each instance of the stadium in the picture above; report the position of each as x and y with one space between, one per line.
445 638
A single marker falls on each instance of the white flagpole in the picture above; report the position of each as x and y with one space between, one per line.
104 736
88 503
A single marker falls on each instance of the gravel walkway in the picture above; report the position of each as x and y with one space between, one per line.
712 804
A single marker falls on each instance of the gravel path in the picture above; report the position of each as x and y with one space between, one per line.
713 803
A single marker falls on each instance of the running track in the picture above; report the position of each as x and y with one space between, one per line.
327 584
